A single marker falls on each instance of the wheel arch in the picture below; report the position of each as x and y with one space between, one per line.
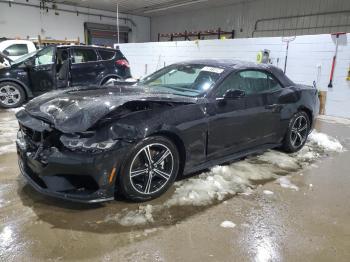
179 145
107 77
308 112
26 90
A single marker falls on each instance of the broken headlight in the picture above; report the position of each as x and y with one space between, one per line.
79 143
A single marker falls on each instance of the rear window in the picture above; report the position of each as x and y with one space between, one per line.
83 55
106 54
16 50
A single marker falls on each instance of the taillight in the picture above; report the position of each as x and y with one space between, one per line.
122 62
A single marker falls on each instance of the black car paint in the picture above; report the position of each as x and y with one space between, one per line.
36 80
206 130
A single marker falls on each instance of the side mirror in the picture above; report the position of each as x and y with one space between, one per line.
6 53
28 63
233 94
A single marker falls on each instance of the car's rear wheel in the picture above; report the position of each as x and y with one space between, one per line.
151 168
297 133
11 95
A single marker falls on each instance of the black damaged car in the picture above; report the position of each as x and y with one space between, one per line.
88 144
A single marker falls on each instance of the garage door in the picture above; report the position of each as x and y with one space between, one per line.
105 35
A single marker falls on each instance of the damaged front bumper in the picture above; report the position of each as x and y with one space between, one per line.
76 176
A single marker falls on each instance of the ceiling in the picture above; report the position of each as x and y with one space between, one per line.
148 7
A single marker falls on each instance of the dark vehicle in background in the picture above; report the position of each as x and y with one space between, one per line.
55 67
87 144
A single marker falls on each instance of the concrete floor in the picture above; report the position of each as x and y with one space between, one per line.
311 224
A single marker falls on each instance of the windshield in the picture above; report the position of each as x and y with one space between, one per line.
183 79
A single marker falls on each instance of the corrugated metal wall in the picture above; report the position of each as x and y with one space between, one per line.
262 18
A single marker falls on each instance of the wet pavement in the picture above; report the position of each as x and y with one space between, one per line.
281 208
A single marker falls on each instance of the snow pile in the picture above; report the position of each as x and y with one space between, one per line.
227 224
205 188
280 160
240 177
237 178
325 142
285 183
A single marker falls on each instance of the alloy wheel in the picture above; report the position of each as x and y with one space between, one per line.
299 131
151 168
9 95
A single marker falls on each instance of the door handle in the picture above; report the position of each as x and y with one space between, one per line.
273 107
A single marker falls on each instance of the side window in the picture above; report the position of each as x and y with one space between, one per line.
45 56
249 81
106 55
233 81
83 55
273 84
255 81
16 50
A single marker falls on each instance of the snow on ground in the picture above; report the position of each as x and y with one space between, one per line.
285 183
325 142
268 192
217 184
223 181
227 224
141 216
240 177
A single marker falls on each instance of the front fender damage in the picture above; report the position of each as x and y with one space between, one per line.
128 121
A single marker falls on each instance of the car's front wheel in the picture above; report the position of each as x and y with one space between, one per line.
297 133
11 95
150 169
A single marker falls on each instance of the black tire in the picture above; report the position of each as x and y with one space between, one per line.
12 95
297 133
162 175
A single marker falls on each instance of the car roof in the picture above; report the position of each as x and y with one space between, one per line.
226 63
87 46
232 64
15 41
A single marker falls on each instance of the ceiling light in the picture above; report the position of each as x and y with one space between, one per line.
173 6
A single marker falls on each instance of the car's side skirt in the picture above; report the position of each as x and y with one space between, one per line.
230 158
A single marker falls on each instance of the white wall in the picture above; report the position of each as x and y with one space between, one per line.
244 14
22 21
308 55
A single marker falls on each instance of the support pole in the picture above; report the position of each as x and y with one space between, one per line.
118 22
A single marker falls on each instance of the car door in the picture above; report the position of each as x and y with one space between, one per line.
274 131
85 67
243 122
42 70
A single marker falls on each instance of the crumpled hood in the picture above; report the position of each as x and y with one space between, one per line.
77 109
